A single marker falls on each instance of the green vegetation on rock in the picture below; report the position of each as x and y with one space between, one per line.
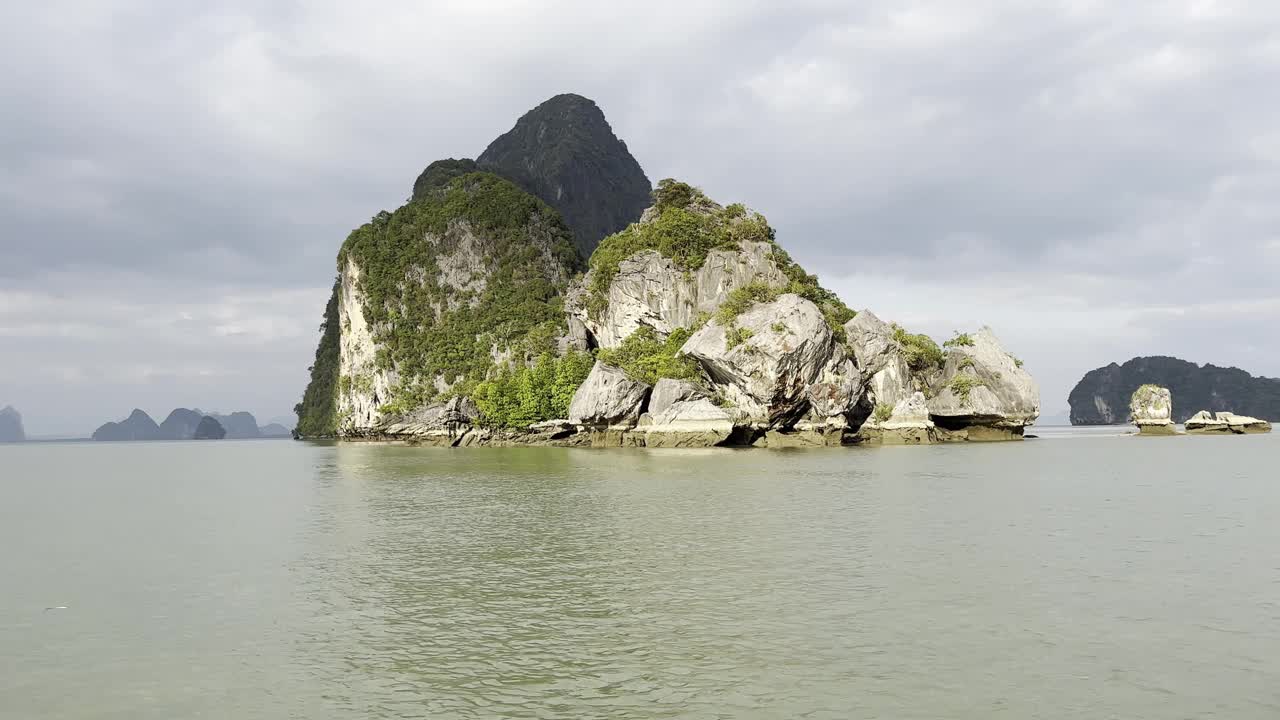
920 351
533 393
646 357
882 412
426 327
686 226
962 385
736 336
959 340
318 411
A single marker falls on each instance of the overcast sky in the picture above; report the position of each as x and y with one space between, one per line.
1095 180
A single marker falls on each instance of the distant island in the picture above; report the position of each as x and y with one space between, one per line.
188 424
1102 396
11 425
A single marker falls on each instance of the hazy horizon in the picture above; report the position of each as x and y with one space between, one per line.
1093 182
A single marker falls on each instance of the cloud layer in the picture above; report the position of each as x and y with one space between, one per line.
1095 180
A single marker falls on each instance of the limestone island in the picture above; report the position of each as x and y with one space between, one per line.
545 293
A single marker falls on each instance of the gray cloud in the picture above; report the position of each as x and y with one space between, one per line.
1094 180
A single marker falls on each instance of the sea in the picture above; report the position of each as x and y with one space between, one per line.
1086 573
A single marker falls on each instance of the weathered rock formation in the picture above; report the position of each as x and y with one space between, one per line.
11 425
138 426
1101 397
274 430
209 429
908 424
983 390
1225 423
650 290
1150 409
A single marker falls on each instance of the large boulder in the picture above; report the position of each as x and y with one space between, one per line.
608 398
766 359
880 359
981 385
1225 423
1151 409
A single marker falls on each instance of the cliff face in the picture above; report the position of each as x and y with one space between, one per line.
434 296
565 153
1102 396
11 425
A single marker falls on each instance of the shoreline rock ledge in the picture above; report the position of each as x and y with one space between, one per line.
1151 409
1225 423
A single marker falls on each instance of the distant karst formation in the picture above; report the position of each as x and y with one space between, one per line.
187 424
564 153
209 429
1102 396
11 425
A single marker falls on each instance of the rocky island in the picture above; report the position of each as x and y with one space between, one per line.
11 425
1151 409
1101 396
533 297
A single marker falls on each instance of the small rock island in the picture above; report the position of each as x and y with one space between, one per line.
1151 409
11 429
545 293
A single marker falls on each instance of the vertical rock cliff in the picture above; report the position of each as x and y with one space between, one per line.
11 425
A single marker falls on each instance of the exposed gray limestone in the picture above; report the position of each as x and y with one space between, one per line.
607 398
982 384
880 359
1151 409
785 347
650 290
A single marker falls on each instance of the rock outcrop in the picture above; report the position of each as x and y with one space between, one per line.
608 398
766 360
650 290
681 414
1150 408
1225 423
565 153
881 360
274 430
983 390
908 424
138 426
1101 397
209 429
11 429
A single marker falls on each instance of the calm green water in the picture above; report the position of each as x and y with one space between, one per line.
1076 576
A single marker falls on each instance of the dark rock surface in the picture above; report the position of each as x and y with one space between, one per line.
564 152
181 424
138 426
11 425
209 429
1102 396
239 425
